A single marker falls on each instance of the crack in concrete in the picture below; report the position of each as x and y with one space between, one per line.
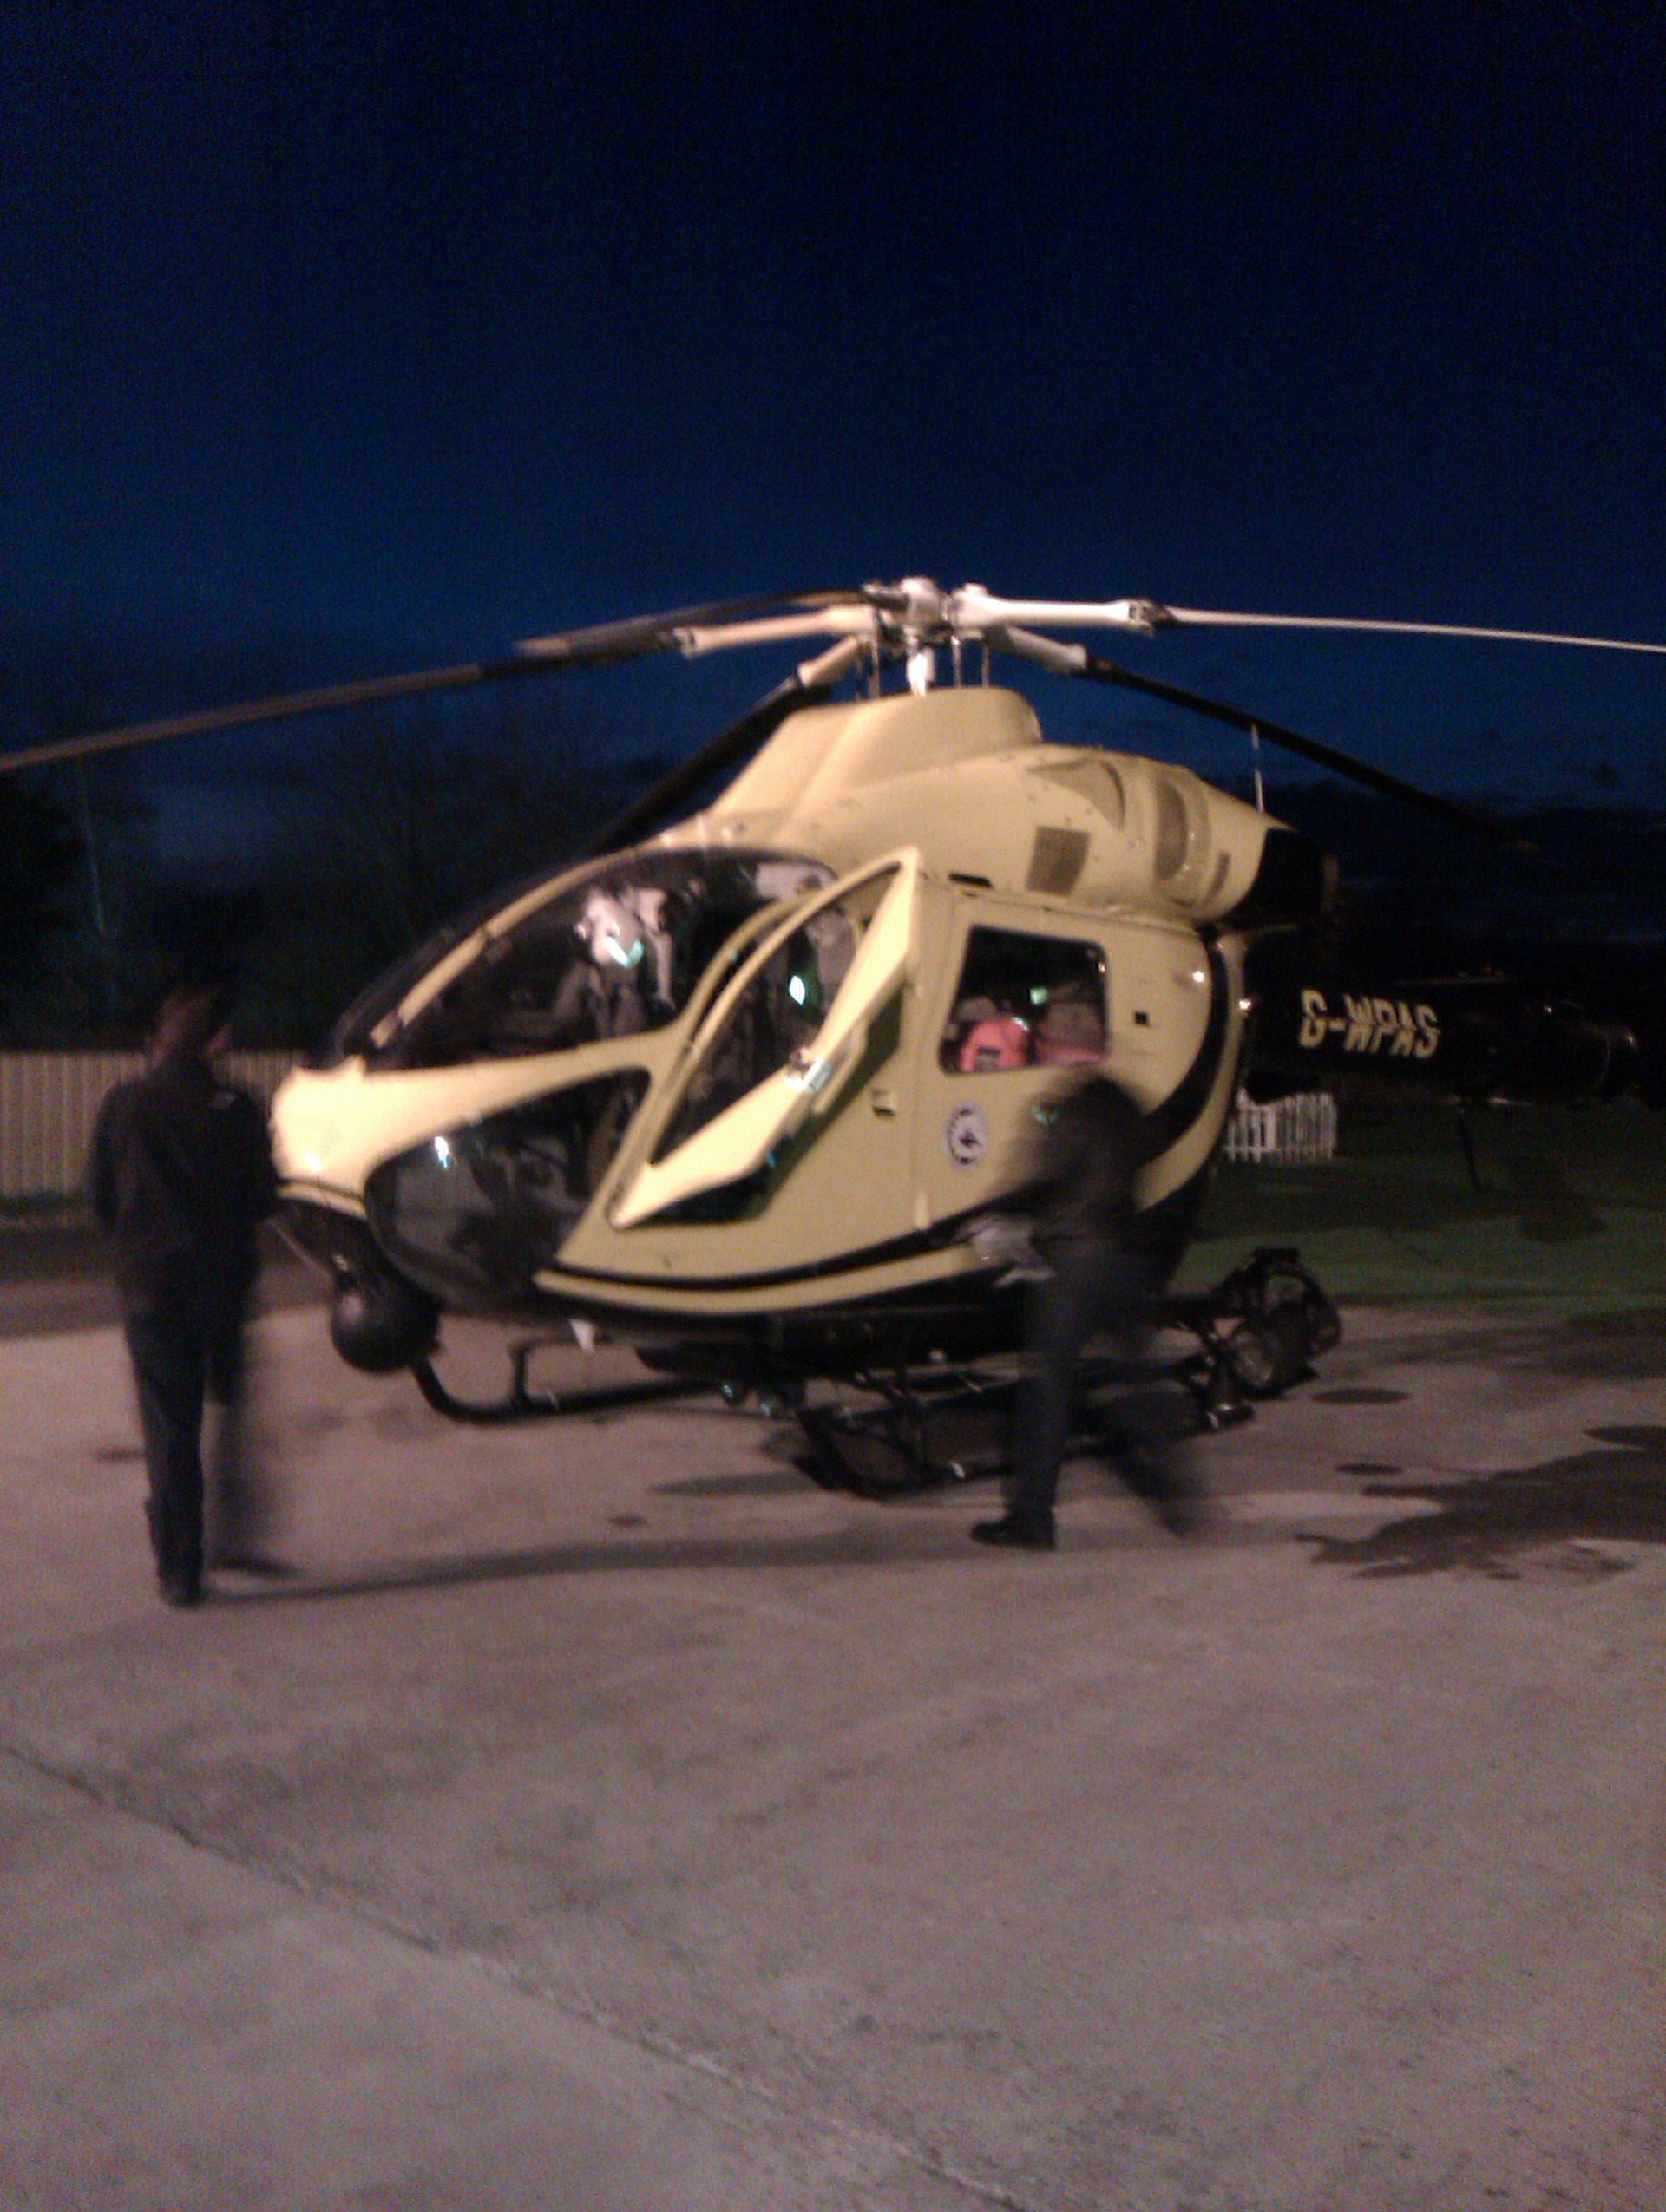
292 1881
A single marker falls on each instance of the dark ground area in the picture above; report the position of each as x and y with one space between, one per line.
601 1814
54 1275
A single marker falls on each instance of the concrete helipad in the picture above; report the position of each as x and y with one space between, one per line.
604 1817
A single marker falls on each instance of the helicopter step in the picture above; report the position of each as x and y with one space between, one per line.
928 1430
1259 1331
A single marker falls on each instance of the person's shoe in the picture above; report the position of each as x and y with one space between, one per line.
1030 1531
180 1590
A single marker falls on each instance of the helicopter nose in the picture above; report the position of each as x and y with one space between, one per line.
1625 1060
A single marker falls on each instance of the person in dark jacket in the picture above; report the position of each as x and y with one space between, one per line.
181 1175
1078 1193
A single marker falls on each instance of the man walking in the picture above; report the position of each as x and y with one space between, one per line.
1080 1193
181 1173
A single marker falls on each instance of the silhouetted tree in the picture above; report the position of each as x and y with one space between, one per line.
406 822
38 853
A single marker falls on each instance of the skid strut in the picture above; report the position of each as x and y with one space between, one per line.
1259 1331
519 1402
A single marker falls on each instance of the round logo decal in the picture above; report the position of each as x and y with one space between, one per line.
966 1136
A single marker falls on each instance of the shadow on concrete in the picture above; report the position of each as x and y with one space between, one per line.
1487 1524
889 1543
1548 1210
1625 1345
890 1540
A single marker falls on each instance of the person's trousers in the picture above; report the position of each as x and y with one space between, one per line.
1087 1294
181 1354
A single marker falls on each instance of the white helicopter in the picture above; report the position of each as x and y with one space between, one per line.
739 1090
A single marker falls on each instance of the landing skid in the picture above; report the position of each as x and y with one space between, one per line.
519 1402
1258 1332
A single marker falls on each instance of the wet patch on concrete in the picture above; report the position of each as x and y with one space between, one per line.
1358 1394
310 1422
1370 1467
731 1486
1502 1525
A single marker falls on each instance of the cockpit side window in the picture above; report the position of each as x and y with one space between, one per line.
613 955
779 1012
1025 1001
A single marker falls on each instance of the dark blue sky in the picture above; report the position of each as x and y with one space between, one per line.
409 331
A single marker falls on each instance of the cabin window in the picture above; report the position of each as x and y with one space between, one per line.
1025 1001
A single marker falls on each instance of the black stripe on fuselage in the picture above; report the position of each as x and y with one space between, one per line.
1167 1122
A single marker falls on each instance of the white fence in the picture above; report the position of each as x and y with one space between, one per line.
1290 1132
48 1102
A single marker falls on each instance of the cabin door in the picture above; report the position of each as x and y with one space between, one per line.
779 1130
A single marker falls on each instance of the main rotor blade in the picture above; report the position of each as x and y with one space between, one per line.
598 646
1308 748
972 611
1183 617
289 706
811 684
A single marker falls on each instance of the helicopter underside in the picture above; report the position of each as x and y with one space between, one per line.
924 1298
923 1384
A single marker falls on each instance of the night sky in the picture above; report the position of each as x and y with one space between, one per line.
396 333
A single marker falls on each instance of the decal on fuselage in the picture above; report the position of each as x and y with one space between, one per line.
966 1136
1403 1030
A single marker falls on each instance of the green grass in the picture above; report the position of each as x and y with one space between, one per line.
1572 1214
1570 1218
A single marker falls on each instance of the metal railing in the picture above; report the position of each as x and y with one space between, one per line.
48 1102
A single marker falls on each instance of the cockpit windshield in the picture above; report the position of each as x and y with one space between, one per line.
615 952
